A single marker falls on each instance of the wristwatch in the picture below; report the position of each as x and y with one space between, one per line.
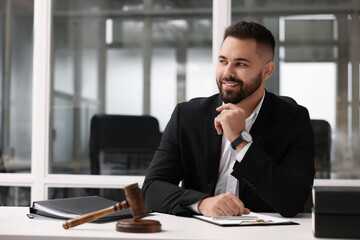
244 137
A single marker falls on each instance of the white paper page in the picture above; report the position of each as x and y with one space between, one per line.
246 219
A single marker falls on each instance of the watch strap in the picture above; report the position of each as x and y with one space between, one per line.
237 142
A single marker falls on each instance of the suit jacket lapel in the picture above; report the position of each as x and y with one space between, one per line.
213 145
263 120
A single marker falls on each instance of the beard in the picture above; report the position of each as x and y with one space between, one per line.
236 96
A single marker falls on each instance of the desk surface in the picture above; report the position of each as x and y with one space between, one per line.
14 224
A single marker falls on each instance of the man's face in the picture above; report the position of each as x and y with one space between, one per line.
239 70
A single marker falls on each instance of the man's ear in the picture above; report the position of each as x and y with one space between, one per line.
268 70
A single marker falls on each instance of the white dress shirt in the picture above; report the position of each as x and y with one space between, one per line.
226 182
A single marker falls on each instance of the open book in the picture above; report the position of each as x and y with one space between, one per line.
251 219
68 208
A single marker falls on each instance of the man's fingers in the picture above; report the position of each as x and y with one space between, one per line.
236 204
226 204
226 210
240 205
218 126
225 106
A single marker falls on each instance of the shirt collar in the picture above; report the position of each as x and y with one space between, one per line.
257 109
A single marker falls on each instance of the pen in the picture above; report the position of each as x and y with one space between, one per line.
234 218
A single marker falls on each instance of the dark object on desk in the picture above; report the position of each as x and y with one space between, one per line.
336 212
68 208
134 201
122 145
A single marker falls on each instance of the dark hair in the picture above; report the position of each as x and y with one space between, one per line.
251 30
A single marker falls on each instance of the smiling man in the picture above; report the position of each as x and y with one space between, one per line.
241 150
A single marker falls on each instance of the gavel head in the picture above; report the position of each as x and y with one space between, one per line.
135 200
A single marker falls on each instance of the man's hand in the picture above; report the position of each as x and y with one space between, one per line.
226 204
231 121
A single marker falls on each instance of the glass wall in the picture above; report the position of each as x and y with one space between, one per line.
317 58
123 57
16 52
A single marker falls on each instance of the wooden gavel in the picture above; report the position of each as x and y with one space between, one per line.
134 201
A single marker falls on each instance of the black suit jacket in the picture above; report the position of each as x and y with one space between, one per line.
276 174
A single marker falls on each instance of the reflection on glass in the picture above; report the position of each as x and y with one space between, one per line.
109 193
16 53
15 196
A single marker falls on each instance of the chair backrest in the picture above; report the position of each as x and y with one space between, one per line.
322 134
117 140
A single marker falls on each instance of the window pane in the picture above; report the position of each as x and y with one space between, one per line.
16 57
107 61
15 196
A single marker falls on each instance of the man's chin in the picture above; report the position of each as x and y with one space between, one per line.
230 99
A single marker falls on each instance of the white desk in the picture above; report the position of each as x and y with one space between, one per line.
14 224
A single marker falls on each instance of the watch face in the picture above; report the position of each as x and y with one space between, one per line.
246 136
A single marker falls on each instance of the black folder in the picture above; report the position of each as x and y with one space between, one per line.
68 208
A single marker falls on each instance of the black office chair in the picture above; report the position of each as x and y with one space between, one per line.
122 145
322 134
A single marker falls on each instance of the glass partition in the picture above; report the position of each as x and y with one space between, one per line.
122 58
16 52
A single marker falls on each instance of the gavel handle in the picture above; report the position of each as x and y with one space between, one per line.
95 215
